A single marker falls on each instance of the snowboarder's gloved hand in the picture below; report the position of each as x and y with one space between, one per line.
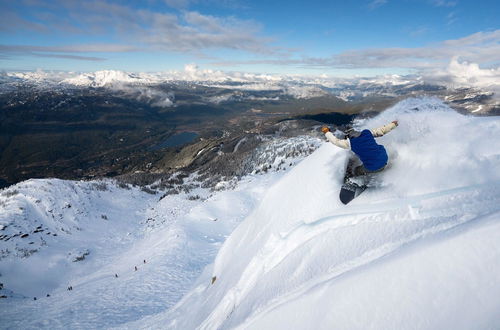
325 129
395 122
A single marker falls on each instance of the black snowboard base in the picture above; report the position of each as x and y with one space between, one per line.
356 180
349 191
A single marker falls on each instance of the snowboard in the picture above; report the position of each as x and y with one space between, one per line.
350 190
354 182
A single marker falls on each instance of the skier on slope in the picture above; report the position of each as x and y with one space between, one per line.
372 155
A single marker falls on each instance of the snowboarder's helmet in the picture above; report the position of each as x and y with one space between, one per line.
352 133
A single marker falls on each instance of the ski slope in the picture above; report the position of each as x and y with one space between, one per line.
419 252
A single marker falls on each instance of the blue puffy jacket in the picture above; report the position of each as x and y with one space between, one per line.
373 155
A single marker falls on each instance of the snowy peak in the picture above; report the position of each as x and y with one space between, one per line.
105 78
37 77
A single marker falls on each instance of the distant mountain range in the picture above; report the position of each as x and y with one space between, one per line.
246 86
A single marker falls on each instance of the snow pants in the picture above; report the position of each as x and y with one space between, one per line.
356 169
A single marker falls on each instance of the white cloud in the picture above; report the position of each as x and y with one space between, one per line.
205 22
184 4
443 3
9 51
476 38
419 31
465 74
471 74
188 31
203 32
451 18
376 3
157 98
86 48
481 47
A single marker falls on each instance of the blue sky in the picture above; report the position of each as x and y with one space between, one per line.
364 37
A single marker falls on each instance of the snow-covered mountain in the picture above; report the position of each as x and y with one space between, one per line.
276 250
296 85
107 78
449 82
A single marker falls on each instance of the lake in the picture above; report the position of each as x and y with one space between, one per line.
176 140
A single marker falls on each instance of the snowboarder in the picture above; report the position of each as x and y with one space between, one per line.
373 156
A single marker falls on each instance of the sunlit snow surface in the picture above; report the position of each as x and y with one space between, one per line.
419 252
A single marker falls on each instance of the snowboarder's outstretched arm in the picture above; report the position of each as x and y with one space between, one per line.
342 143
377 132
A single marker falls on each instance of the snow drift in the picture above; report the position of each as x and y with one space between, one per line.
419 252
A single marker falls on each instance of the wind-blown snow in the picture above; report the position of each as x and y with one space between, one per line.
419 251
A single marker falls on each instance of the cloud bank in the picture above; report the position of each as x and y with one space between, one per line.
133 29
481 47
465 74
